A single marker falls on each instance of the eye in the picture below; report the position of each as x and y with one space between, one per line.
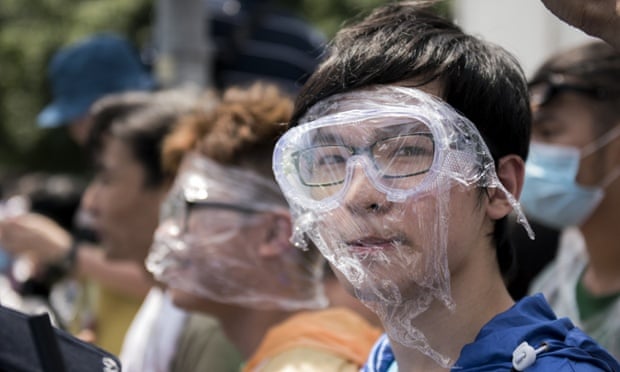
547 130
410 146
411 151
325 156
331 159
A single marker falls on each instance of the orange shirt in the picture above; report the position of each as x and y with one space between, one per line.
337 333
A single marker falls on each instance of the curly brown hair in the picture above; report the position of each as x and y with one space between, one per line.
241 128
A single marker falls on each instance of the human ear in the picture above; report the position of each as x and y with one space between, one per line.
279 230
511 172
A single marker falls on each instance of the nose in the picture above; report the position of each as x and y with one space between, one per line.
361 196
89 199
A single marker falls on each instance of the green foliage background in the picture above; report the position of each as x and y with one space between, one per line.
30 32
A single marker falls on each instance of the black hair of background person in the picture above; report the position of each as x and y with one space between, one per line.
529 256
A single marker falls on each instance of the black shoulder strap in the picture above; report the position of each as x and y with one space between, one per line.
46 343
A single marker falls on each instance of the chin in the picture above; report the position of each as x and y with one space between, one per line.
181 299
189 301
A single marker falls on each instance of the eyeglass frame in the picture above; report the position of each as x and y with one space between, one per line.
283 163
366 150
555 84
190 204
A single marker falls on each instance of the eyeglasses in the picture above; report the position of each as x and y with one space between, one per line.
395 157
203 204
543 90
407 144
221 205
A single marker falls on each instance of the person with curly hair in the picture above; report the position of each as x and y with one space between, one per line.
223 249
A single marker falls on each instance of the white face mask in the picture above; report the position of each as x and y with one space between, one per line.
551 194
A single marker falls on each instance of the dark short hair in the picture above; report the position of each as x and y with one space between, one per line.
142 121
406 41
594 65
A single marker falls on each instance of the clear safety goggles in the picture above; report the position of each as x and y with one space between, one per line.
405 141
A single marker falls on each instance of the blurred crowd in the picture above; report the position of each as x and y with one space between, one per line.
399 198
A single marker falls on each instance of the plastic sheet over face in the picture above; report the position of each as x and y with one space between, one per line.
384 182
215 240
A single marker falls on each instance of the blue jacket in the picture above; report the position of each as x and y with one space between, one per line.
530 320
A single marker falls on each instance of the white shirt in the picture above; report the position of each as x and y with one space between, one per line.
151 340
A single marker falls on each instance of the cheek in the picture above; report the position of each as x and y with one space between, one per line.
213 252
468 227
184 300
128 217
129 226
592 169
115 203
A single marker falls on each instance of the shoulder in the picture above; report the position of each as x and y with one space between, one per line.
339 336
566 267
566 364
559 345
202 346
202 330
308 360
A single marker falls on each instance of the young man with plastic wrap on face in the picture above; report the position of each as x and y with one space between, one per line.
405 157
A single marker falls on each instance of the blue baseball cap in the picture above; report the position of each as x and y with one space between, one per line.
88 70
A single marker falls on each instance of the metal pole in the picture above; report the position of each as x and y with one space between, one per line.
181 37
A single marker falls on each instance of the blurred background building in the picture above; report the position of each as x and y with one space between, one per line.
524 27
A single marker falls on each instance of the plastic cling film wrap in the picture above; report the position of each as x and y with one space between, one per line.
370 177
218 239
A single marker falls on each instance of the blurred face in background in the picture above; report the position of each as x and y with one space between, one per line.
223 245
224 238
79 129
125 210
574 156
568 119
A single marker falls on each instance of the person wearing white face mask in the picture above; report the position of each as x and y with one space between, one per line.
572 184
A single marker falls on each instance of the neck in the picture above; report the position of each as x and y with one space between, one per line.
602 238
479 294
246 327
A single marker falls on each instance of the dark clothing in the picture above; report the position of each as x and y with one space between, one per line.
258 41
530 320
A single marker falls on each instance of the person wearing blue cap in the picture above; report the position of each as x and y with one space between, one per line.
85 71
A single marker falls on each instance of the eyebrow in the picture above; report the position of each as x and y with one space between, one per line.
326 137
412 127
406 128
